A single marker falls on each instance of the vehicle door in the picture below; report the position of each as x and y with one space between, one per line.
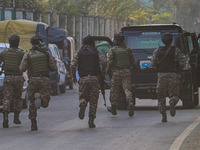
60 65
194 55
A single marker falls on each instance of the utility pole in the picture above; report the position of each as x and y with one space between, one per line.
13 3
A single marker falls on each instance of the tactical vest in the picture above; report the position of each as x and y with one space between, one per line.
167 64
121 58
39 64
12 60
88 62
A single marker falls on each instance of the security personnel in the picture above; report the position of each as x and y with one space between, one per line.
13 82
88 60
39 63
168 60
119 62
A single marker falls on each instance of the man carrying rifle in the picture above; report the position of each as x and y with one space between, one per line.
120 60
88 60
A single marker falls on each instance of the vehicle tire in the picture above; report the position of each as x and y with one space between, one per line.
188 100
196 97
25 101
24 106
63 88
121 103
70 85
55 89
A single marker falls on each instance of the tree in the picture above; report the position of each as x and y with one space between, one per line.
185 13
70 6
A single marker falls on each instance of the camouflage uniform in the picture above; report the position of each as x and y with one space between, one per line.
13 84
89 85
38 84
120 78
168 83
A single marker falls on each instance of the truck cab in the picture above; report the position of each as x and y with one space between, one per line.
143 40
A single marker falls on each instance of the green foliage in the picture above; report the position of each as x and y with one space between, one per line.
130 10
184 12
118 9
71 6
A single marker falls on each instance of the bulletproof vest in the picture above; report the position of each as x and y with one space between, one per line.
167 64
88 62
121 58
12 60
38 63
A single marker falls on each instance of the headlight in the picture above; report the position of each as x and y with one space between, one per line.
1 81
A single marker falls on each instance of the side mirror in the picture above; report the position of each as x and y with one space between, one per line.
198 36
198 39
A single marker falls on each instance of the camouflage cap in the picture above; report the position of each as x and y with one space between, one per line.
88 40
167 38
35 39
14 38
119 37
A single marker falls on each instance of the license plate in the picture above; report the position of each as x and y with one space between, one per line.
145 63
62 77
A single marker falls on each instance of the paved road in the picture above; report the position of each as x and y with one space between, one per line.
61 129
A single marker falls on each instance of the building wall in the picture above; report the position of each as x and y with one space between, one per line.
77 26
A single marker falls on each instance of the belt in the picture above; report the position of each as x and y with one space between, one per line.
88 75
40 75
13 74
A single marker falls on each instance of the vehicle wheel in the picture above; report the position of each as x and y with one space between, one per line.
196 97
122 104
55 89
188 100
63 88
24 104
25 101
70 85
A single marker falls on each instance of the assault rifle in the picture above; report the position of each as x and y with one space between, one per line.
102 83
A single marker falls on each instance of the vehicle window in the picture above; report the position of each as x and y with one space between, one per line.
185 45
2 48
103 46
57 53
148 39
190 44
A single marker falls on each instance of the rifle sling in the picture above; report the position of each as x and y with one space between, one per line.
169 48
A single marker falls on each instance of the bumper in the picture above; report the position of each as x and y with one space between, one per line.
144 91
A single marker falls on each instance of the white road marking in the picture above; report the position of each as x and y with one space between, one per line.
179 140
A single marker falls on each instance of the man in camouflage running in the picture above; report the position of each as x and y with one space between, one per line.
168 60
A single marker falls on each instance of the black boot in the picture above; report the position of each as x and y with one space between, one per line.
5 120
131 109
91 122
82 110
112 109
34 125
16 118
172 109
164 117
